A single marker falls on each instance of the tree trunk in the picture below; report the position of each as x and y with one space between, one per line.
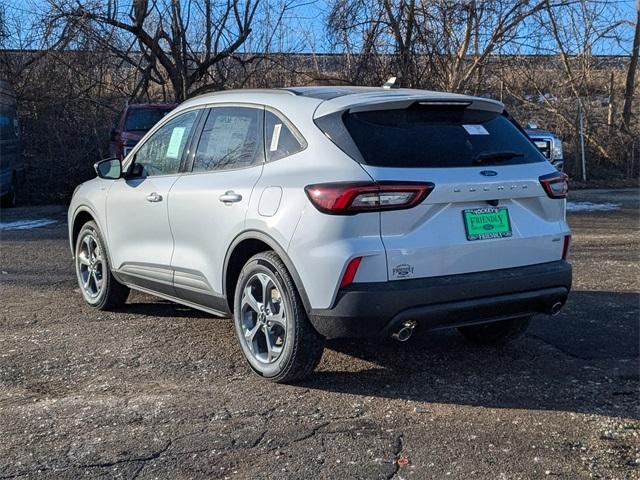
631 75
612 107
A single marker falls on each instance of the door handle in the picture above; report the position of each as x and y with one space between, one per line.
230 197
154 197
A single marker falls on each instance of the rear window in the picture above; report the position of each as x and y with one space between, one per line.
142 119
435 136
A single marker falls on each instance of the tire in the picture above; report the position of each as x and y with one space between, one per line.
97 284
276 337
496 333
8 200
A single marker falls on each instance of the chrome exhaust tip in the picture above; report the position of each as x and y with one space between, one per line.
555 309
405 331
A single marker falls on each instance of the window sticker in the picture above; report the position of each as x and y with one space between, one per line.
475 129
275 138
228 135
173 150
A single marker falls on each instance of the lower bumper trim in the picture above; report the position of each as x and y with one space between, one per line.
370 310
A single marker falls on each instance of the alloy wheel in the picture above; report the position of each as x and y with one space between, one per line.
263 318
90 266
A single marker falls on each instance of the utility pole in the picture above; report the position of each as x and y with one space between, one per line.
582 153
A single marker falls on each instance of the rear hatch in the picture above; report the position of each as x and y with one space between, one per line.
488 209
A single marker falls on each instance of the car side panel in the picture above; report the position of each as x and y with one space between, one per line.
90 197
204 227
319 245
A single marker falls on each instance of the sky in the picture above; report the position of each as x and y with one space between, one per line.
310 16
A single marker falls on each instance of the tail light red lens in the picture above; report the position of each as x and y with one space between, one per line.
565 247
349 198
350 272
555 184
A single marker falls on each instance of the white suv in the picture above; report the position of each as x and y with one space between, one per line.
323 212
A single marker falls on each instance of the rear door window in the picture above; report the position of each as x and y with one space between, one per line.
437 137
231 138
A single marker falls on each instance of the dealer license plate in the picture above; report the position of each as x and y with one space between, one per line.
486 223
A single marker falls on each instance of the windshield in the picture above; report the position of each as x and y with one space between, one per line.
143 119
438 136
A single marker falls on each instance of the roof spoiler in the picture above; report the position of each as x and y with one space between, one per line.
397 99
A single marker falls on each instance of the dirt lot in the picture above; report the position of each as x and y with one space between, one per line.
161 391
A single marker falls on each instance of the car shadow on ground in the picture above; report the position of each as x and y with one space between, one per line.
583 360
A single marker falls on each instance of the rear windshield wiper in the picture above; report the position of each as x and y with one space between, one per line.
494 157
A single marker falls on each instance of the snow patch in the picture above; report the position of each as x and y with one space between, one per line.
26 224
592 207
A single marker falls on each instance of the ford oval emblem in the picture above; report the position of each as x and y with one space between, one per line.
489 173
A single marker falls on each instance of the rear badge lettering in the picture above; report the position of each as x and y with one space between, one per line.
489 173
403 270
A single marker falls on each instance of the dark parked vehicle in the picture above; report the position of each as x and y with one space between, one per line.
548 143
134 121
11 163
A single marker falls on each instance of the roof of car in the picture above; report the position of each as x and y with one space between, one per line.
330 99
331 92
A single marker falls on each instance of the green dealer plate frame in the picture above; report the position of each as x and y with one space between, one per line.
487 223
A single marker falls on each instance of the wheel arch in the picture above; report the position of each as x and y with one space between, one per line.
82 215
243 247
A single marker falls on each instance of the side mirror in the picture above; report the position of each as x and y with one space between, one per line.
109 169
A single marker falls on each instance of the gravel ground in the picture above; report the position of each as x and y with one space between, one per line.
161 391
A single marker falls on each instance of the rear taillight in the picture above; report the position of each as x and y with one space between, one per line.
555 184
565 247
348 198
350 272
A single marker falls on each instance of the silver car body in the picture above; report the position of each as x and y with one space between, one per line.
174 235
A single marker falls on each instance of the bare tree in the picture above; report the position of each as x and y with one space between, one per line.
631 74
184 40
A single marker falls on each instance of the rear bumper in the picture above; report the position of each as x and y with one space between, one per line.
376 309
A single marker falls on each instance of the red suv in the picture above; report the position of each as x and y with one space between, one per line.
134 121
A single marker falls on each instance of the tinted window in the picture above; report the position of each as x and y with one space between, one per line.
231 138
143 119
280 140
162 152
438 137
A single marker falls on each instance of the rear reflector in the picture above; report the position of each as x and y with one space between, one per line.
565 246
349 198
555 184
350 272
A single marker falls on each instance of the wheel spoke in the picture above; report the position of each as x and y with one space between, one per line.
92 252
86 241
97 253
265 282
272 350
250 300
82 257
250 335
97 281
